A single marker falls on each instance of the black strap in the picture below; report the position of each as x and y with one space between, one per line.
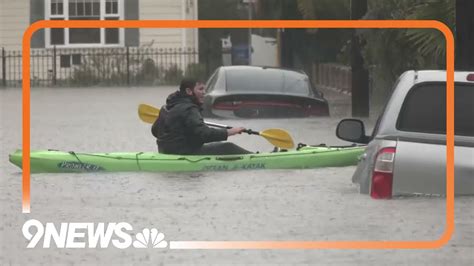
75 155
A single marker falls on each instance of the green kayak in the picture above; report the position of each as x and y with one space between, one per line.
53 161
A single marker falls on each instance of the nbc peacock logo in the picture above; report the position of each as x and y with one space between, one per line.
150 237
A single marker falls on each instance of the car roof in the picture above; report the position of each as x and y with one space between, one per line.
246 67
275 72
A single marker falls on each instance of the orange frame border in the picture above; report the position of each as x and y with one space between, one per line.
392 24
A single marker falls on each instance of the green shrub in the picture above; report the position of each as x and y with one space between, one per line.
197 71
173 75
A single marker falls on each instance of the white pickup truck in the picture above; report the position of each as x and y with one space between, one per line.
406 152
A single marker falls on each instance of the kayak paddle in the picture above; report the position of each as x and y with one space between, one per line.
278 137
148 113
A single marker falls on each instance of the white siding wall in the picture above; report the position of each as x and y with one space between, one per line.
168 10
15 18
192 34
160 9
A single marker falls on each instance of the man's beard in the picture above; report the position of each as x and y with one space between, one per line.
195 100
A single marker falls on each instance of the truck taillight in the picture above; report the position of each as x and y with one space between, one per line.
470 77
382 176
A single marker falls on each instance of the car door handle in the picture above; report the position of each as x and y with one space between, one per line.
363 157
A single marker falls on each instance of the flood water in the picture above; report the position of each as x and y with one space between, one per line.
311 205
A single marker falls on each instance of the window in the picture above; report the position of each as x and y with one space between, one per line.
84 10
267 80
66 60
424 109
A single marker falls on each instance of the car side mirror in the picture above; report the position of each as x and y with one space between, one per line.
352 130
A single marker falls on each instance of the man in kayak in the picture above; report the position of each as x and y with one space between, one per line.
180 128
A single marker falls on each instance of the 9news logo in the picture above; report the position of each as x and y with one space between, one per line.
90 235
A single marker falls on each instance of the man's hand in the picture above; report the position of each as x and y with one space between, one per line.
235 130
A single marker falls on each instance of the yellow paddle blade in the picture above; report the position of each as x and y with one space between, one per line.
278 137
148 113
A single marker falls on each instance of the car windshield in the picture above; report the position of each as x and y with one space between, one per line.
267 80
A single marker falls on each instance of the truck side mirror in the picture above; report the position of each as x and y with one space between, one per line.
352 130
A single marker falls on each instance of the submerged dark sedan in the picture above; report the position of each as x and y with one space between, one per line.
251 92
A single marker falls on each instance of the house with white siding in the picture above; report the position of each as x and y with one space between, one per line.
70 47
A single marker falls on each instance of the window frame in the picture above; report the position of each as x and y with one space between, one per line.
103 16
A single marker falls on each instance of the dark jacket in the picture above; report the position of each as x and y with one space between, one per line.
180 128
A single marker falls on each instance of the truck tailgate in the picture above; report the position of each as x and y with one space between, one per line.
421 168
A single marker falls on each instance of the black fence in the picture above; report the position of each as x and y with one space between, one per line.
128 66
